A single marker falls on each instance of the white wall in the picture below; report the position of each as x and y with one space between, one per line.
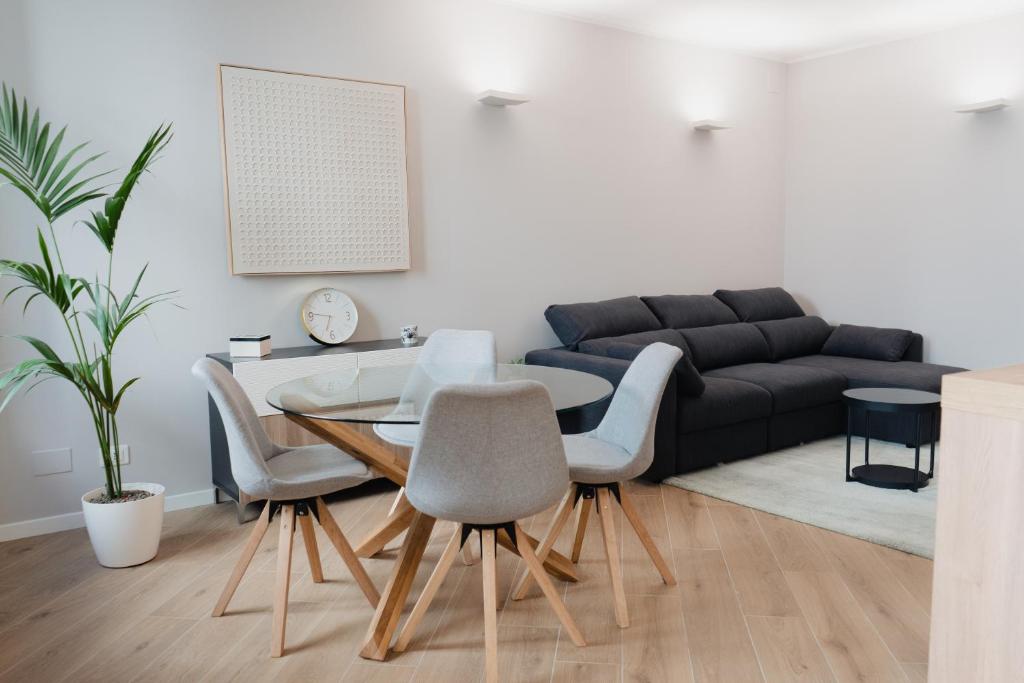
596 188
900 212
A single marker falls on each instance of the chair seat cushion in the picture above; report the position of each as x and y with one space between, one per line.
724 402
861 372
792 386
397 434
594 461
314 471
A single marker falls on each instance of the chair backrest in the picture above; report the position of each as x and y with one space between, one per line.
488 454
473 347
448 357
249 447
630 420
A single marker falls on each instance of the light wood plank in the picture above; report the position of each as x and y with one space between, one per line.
437 577
312 550
348 556
756 575
791 544
655 647
896 615
689 520
124 658
851 645
582 517
720 644
913 572
251 546
585 672
787 650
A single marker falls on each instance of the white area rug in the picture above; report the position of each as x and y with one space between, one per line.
806 483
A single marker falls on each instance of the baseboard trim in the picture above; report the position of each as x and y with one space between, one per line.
75 520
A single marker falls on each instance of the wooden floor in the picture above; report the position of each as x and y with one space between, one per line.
758 598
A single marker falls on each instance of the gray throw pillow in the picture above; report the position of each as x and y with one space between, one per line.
872 343
792 337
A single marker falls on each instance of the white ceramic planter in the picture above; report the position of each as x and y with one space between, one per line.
125 534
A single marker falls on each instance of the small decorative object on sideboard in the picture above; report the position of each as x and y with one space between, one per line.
329 316
409 333
249 346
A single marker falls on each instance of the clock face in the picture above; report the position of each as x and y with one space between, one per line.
329 316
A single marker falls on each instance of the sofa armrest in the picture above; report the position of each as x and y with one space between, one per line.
915 352
587 418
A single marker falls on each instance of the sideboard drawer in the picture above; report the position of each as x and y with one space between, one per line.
378 359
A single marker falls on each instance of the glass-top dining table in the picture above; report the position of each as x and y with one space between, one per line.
339 407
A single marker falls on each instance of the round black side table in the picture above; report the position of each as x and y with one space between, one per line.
922 404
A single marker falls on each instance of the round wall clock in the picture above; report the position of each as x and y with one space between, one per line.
329 316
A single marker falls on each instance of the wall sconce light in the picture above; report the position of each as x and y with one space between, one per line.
986 106
711 124
498 98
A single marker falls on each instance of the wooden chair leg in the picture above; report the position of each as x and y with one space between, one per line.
544 581
468 558
582 514
490 583
429 591
398 501
312 550
341 544
554 529
392 526
645 538
251 546
283 579
611 551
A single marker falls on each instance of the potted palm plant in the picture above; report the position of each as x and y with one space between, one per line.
123 519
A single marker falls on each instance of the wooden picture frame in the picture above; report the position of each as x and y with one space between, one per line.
315 177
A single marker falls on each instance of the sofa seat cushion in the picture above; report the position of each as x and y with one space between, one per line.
861 372
724 402
719 346
573 323
600 346
792 387
678 311
754 305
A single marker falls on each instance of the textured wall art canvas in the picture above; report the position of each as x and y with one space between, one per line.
314 172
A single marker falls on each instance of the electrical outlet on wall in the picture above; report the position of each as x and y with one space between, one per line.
56 461
125 453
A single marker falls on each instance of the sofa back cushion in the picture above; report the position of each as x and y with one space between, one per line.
689 381
792 337
574 323
873 343
721 345
679 311
754 305
599 347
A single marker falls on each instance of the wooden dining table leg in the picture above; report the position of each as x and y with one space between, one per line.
393 525
392 600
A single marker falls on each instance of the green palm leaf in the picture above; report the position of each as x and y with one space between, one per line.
33 164
104 223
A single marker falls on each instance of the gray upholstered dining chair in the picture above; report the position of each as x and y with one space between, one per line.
488 455
464 352
292 480
621 448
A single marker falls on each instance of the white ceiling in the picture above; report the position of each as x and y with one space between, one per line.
784 30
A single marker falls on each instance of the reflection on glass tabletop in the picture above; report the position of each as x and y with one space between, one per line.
397 394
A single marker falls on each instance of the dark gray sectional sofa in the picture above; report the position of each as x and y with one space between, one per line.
758 374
